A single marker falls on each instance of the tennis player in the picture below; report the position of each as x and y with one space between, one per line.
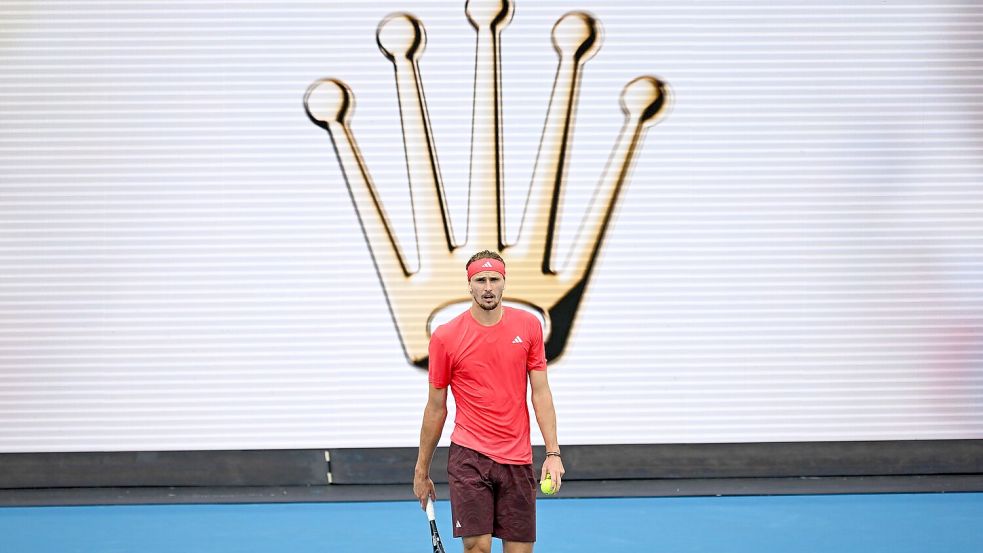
486 355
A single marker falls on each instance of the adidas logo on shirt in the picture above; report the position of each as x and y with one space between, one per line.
517 340
487 264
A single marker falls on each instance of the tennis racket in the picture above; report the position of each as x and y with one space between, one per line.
438 547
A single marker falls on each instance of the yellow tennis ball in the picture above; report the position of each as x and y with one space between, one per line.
546 486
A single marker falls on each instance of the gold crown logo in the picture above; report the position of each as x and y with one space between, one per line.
415 294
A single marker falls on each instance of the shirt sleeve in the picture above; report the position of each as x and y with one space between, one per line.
439 363
536 359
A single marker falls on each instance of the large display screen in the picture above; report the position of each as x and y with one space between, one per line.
795 252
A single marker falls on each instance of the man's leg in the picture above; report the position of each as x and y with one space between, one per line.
478 544
516 546
472 498
515 507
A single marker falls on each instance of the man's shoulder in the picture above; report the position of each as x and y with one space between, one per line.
522 318
449 327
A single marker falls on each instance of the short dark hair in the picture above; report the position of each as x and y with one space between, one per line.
484 254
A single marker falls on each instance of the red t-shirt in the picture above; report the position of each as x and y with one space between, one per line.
486 368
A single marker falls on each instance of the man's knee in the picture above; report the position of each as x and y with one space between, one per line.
517 547
477 544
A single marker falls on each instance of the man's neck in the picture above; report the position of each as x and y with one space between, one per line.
486 318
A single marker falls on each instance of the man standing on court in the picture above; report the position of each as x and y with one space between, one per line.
487 355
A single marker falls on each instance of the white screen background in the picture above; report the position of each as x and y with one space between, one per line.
798 255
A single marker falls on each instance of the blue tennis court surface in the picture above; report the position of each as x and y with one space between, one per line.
896 523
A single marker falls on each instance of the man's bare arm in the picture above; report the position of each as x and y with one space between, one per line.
434 416
542 403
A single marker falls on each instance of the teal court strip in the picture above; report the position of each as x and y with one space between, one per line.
895 523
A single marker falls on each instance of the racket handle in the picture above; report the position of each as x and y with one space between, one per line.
430 514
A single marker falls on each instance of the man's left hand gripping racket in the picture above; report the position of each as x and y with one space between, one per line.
438 547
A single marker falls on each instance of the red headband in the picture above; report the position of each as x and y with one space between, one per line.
486 264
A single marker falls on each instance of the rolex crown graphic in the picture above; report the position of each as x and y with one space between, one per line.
415 293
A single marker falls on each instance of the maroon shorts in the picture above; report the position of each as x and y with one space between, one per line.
491 498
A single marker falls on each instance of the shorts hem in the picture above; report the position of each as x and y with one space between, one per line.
506 538
463 535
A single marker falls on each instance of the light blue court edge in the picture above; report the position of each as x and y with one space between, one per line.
895 523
